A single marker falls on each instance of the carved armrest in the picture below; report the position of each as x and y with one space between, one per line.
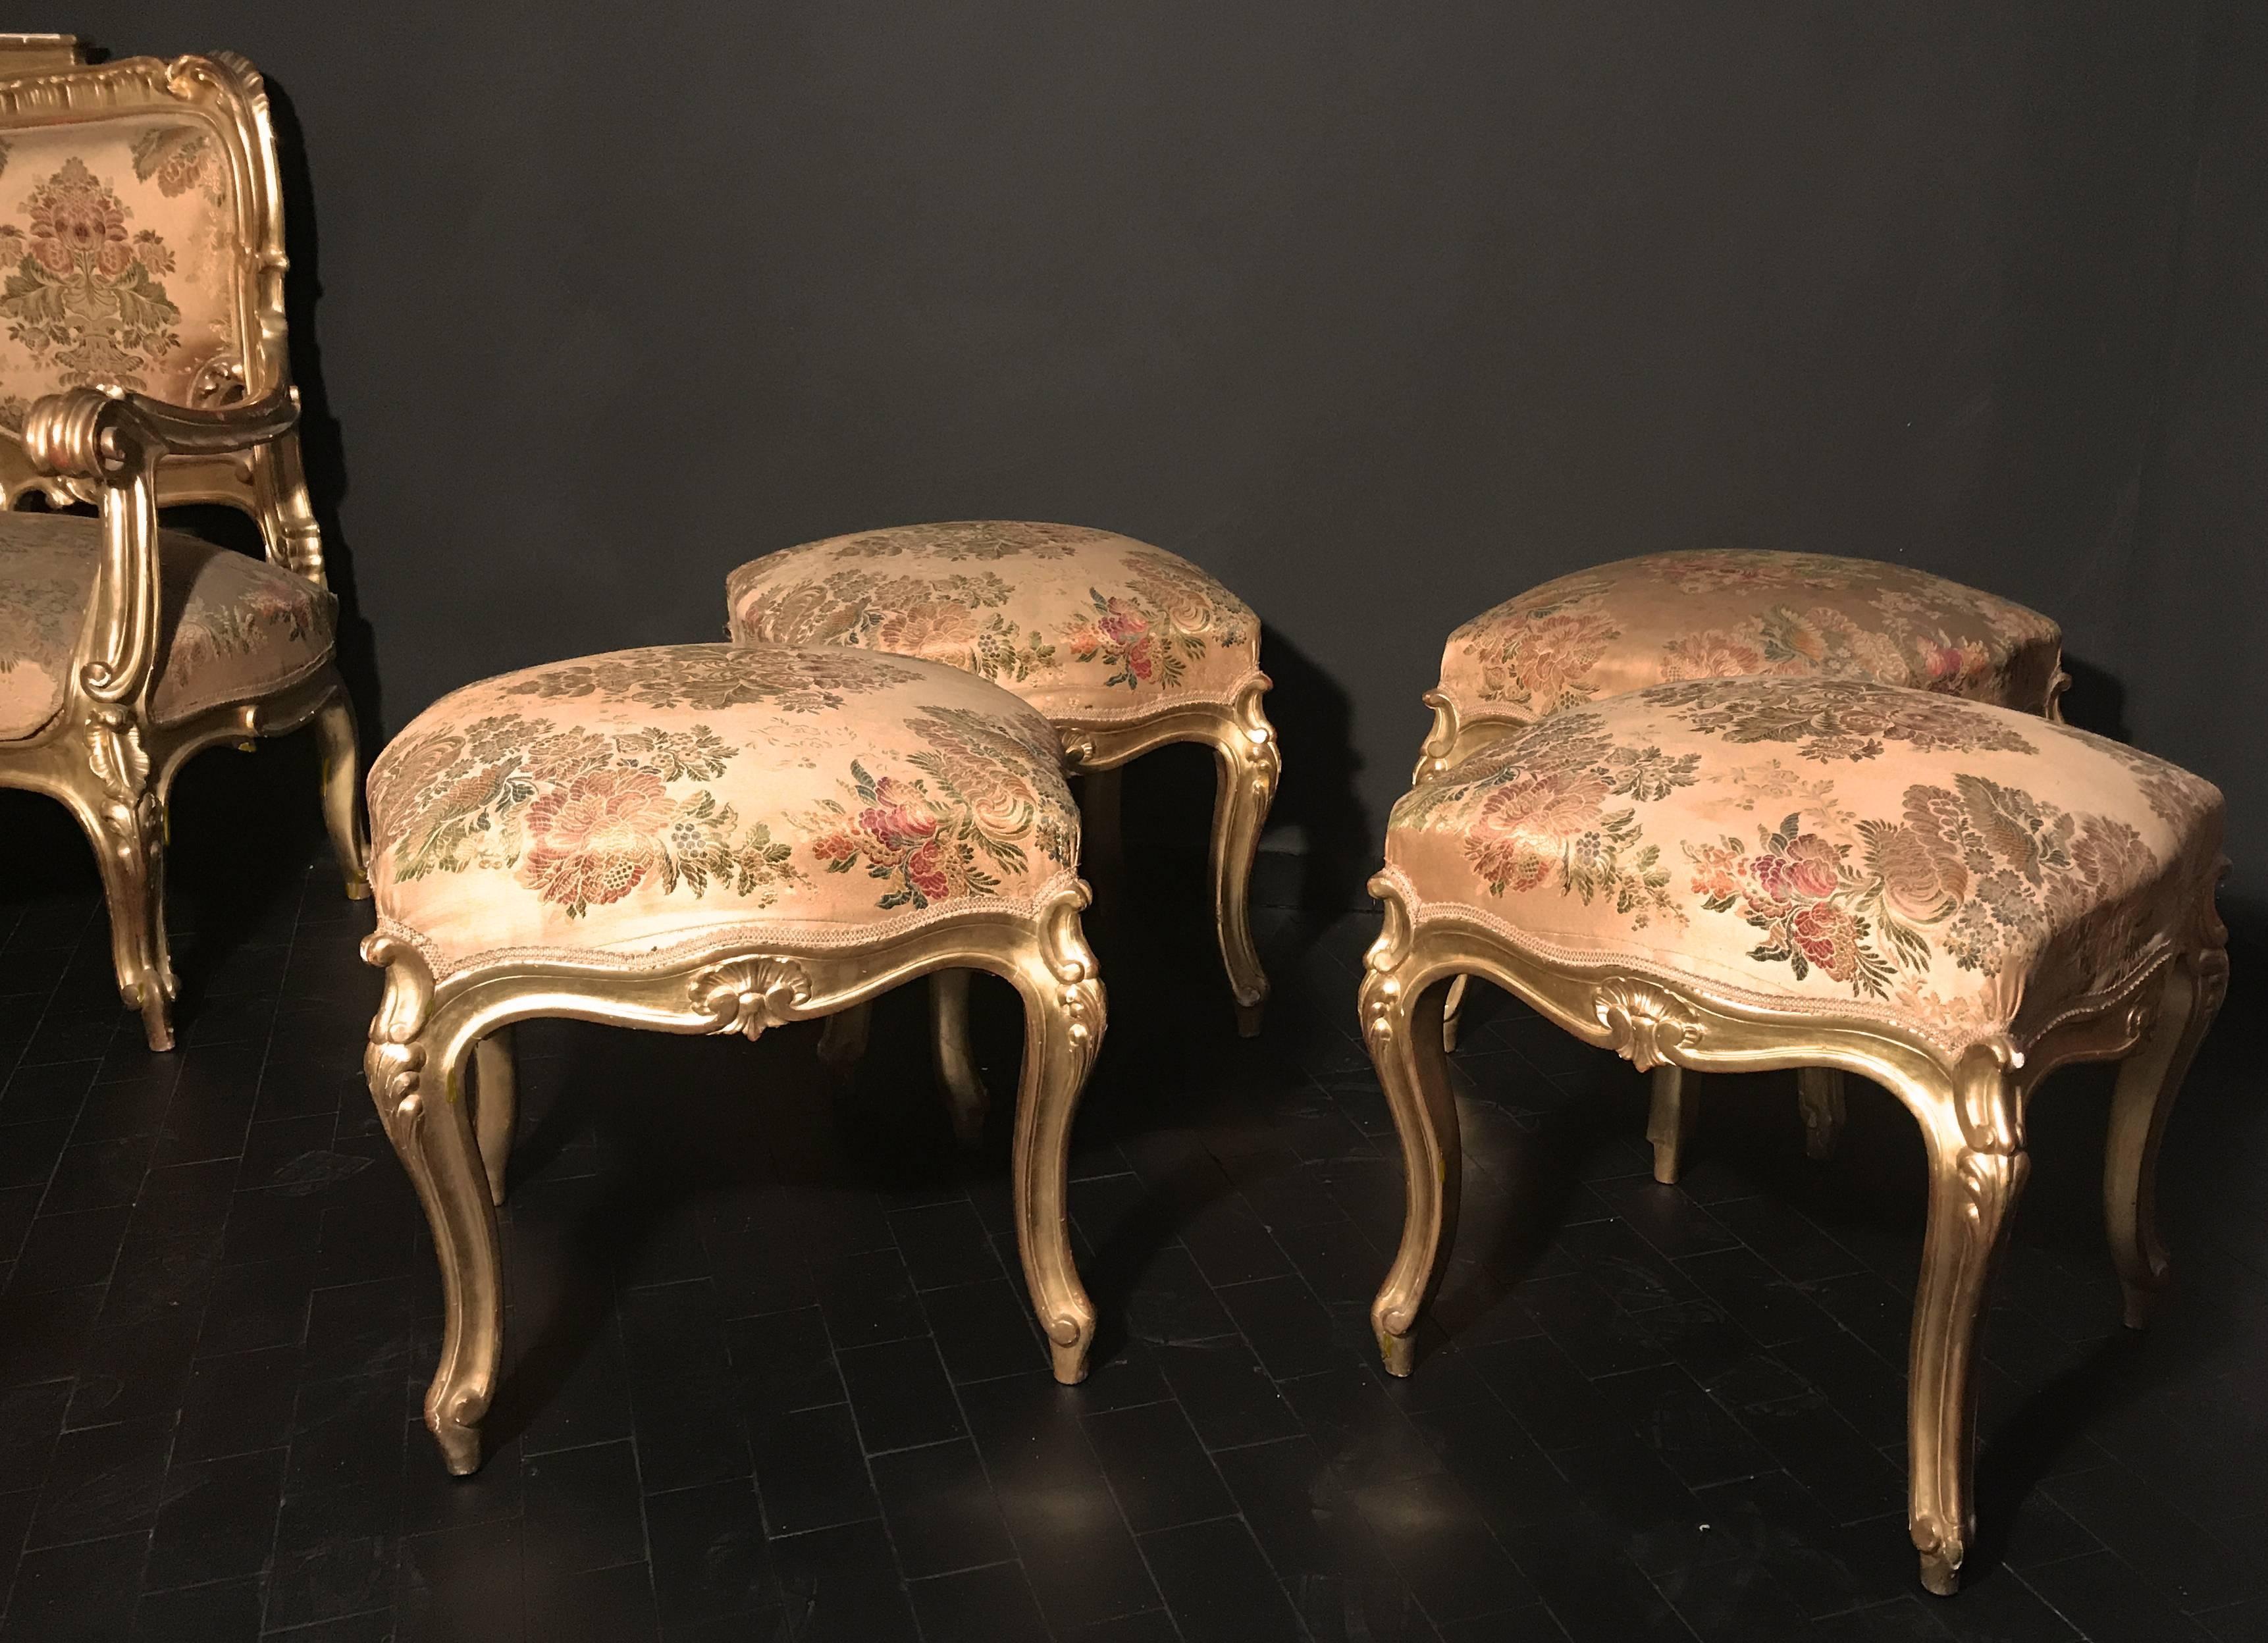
104 434
110 442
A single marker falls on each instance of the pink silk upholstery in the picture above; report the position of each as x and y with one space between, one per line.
121 264
648 800
1086 625
1824 844
233 629
1721 613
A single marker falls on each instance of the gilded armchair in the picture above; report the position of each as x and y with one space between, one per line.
145 367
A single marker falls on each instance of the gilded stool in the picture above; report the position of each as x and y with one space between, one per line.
1124 646
1945 896
1718 614
708 839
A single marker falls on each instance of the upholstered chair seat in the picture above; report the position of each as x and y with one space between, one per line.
1123 645
1720 612
710 838
1086 626
235 628
1831 875
626 803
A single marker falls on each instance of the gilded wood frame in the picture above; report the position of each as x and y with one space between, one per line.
105 755
1451 742
1971 1107
439 1069
1247 763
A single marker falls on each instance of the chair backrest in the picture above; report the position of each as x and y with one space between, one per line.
141 247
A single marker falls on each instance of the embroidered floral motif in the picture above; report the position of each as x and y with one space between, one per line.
2175 796
1677 616
232 626
582 817
1978 870
1540 656
85 294
1132 618
954 619
1831 720
1532 811
179 157
1749 570
711 678
1165 619
973 539
926 850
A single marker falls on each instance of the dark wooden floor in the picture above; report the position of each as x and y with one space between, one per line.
771 1376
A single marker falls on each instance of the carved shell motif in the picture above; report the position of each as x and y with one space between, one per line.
1643 1023
746 996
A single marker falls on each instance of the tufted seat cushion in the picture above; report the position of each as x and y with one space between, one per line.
232 627
654 799
1086 626
1720 612
1824 844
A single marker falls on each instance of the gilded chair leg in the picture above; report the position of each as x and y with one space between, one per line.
335 730
1246 755
420 1099
1063 1020
965 1094
1972 1196
2148 1081
1101 837
1819 1091
1453 1011
842 1040
495 1105
1404 1038
128 836
1669 1121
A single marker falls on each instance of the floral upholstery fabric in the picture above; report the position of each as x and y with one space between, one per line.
231 627
119 261
1824 843
1083 624
1719 614
653 800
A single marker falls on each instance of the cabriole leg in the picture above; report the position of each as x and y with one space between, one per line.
1063 1020
334 733
128 831
965 1094
842 1040
495 1105
1976 1173
1819 1092
421 1098
2148 1081
1404 1038
1453 1012
1669 1121
1101 836
1245 755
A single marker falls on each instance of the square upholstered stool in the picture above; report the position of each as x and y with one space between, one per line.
1124 646
1721 613
1949 898
704 839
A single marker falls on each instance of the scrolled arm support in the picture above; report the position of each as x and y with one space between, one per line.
103 435
110 441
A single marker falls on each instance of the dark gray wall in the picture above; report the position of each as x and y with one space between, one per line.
1383 313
